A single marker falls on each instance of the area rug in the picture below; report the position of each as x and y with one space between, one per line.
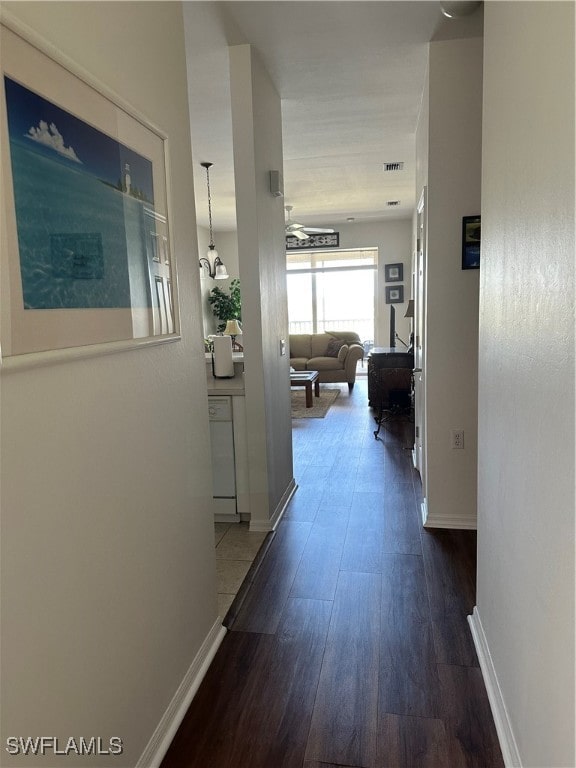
320 405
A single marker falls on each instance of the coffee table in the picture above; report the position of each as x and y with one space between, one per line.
306 379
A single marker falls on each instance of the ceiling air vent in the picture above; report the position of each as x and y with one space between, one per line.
393 167
393 202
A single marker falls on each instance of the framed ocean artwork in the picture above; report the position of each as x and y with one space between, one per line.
471 228
86 260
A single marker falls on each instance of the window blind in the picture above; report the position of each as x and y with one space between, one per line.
310 260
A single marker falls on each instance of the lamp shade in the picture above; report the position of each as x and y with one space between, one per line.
232 328
410 309
221 273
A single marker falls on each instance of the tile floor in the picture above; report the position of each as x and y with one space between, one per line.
236 548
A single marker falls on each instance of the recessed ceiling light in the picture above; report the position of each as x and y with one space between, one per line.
350 218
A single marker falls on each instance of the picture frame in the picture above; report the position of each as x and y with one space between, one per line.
86 258
471 237
394 273
329 240
394 294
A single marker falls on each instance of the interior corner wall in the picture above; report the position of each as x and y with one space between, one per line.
526 591
257 135
422 136
108 566
451 371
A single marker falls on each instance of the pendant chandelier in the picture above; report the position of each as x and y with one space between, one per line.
212 262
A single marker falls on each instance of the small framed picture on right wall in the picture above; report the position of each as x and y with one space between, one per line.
471 242
394 294
394 273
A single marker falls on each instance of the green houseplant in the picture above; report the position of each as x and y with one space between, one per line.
226 305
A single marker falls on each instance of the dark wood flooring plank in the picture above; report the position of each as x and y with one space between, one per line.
370 478
314 476
409 683
401 520
336 515
319 764
336 495
317 573
398 466
362 550
278 702
397 432
472 738
204 739
304 505
263 605
412 742
450 562
344 722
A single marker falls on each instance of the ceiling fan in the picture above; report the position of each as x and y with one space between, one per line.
294 229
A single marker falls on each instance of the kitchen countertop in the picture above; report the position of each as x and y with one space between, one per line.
234 386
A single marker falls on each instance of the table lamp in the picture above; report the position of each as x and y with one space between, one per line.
233 329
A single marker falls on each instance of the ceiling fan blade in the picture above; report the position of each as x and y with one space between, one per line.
319 231
294 227
299 234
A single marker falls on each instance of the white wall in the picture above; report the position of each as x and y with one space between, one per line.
454 143
423 137
526 373
227 246
108 570
257 132
393 239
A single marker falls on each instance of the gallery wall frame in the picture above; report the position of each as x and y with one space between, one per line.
394 294
86 256
394 273
471 235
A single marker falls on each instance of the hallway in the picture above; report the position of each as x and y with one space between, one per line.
351 646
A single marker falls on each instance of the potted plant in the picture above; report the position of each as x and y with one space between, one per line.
226 306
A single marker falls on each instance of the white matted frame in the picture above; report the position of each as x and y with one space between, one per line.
86 264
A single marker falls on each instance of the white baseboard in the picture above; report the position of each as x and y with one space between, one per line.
502 722
445 521
424 511
272 524
284 501
170 721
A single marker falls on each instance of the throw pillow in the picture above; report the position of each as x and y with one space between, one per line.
333 347
343 351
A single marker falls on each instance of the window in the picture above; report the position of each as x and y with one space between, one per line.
332 291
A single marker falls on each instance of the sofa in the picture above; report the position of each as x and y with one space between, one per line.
334 355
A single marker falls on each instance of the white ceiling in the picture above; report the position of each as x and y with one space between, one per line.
350 76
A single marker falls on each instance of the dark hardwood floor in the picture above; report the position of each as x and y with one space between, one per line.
351 645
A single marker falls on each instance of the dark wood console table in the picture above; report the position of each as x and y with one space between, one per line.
390 381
